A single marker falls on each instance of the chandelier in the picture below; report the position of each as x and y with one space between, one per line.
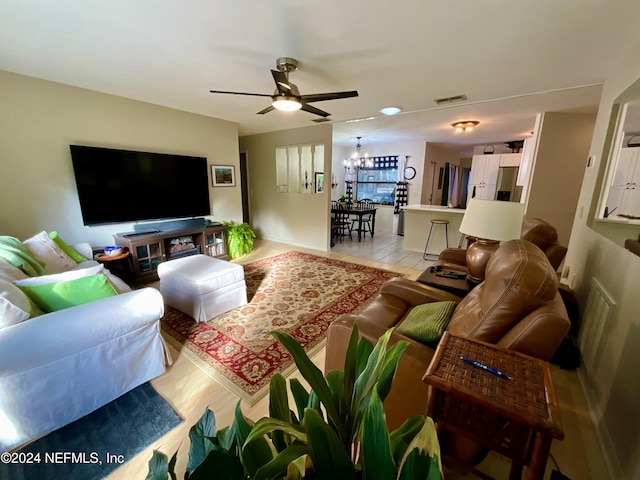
357 160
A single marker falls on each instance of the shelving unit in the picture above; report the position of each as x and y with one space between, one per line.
148 250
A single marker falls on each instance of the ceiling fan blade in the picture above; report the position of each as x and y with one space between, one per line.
319 97
266 110
282 84
314 110
241 93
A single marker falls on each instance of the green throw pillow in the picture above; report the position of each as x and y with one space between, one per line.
426 323
66 248
52 297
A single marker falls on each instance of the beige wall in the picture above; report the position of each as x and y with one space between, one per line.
563 148
614 394
40 119
296 219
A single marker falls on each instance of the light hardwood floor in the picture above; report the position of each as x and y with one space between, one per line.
190 391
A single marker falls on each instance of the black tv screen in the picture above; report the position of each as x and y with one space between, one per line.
116 186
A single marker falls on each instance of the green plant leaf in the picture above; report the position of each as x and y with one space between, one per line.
279 408
300 396
239 238
226 438
415 465
255 454
366 381
298 468
377 462
200 444
350 366
158 466
277 468
389 368
267 425
313 375
422 457
335 380
314 401
402 436
172 466
330 460
365 347
375 363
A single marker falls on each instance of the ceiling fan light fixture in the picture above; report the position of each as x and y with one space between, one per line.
286 104
390 110
465 126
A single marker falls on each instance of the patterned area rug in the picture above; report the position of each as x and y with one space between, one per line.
298 293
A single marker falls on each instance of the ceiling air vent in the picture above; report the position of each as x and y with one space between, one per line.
455 98
321 120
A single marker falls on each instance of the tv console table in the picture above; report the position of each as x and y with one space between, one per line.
150 249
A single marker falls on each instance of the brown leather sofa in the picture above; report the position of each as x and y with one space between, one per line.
537 231
633 245
517 306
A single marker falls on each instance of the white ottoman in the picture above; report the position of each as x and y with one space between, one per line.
201 286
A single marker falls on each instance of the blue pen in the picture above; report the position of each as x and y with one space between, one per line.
484 367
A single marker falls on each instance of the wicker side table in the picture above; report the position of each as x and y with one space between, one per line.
517 416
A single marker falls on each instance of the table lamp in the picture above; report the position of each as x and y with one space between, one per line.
491 222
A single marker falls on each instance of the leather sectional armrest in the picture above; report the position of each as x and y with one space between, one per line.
415 293
633 245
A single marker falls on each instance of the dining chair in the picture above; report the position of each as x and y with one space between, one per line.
340 225
364 204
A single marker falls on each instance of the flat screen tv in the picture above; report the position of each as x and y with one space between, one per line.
117 186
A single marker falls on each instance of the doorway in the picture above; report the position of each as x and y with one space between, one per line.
244 188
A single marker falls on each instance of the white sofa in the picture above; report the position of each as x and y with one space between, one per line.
60 366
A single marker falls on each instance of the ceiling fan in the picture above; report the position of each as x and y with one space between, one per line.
286 97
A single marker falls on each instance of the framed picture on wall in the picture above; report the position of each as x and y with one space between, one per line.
223 175
319 182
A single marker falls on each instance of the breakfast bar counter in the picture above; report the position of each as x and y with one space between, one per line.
418 221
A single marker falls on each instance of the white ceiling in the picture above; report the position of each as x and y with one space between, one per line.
512 59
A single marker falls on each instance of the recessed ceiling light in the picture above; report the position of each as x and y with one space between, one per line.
390 110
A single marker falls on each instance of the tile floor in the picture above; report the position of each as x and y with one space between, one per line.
383 247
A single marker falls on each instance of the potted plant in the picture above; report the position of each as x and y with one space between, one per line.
344 200
337 430
515 145
240 238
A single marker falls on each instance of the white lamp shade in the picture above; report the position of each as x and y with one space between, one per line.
493 220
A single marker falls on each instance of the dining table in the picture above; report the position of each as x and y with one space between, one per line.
360 212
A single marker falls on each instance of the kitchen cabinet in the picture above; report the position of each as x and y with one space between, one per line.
510 159
484 174
484 177
624 192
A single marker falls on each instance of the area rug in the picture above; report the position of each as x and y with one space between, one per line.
95 445
294 292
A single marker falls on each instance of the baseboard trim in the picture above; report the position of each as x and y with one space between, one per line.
612 463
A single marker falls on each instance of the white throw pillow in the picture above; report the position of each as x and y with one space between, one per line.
10 273
15 306
60 277
48 252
